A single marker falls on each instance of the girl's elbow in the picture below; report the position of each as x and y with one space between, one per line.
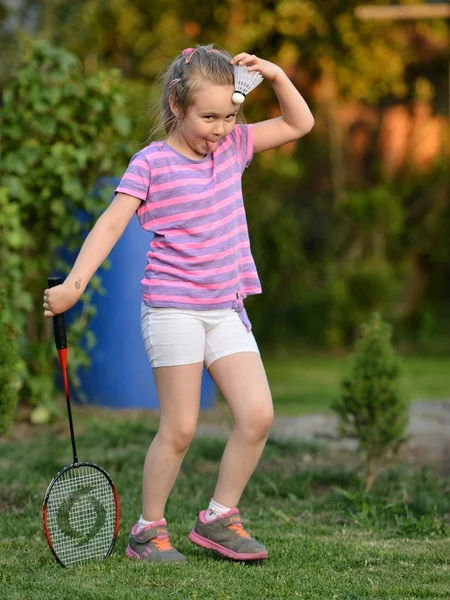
302 128
307 126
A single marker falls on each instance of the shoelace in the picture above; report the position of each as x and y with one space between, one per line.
162 543
239 530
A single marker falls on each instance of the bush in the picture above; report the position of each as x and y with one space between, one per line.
60 132
10 371
14 301
372 407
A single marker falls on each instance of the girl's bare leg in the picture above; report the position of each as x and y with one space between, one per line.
242 380
179 400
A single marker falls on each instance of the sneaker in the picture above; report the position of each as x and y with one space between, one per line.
152 544
226 536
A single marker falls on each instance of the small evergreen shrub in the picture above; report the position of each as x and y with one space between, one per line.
372 407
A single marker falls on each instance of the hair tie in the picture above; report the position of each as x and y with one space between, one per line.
189 53
188 58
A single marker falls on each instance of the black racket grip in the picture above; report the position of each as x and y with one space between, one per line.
59 323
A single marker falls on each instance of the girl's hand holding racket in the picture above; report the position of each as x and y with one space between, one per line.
60 298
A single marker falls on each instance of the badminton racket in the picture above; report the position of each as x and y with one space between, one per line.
81 508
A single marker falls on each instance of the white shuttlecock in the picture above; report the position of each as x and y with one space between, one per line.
244 82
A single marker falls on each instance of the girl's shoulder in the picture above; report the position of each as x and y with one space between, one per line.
151 149
154 153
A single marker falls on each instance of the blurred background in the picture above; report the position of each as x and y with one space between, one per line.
354 218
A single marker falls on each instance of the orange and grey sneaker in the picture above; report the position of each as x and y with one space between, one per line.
226 536
152 544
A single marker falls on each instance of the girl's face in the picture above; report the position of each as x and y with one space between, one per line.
206 122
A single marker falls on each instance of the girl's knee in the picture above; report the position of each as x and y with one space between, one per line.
264 421
179 437
256 426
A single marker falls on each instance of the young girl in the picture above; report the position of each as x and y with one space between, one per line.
187 191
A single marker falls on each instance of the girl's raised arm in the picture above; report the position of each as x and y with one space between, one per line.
98 244
296 119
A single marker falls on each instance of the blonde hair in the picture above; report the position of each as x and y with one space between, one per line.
183 78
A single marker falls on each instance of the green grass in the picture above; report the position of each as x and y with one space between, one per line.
326 539
309 384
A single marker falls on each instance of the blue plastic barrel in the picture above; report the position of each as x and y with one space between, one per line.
120 375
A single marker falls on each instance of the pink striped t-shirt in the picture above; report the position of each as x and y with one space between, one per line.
200 254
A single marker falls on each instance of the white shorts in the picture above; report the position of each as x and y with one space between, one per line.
175 336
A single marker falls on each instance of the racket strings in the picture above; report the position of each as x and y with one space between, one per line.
81 515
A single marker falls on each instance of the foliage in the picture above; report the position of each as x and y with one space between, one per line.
330 246
372 407
368 59
60 133
365 276
14 240
14 301
10 370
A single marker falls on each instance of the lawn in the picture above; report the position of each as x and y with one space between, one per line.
326 539
309 384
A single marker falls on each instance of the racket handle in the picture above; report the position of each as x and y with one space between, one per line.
59 324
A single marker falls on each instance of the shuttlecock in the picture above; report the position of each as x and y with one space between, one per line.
244 82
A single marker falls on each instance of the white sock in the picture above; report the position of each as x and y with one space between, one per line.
142 523
215 510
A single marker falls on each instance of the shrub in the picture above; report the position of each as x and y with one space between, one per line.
372 407
60 132
10 369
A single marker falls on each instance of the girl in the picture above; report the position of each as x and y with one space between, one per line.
187 191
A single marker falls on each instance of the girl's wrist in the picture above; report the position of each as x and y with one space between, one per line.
74 286
279 77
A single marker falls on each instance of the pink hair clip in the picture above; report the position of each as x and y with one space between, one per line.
174 81
187 51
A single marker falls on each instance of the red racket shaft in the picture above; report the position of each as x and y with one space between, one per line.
59 330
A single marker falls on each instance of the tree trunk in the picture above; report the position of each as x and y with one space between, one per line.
330 101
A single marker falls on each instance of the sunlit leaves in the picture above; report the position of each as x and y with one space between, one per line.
59 135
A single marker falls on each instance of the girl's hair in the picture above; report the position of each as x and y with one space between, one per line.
185 75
